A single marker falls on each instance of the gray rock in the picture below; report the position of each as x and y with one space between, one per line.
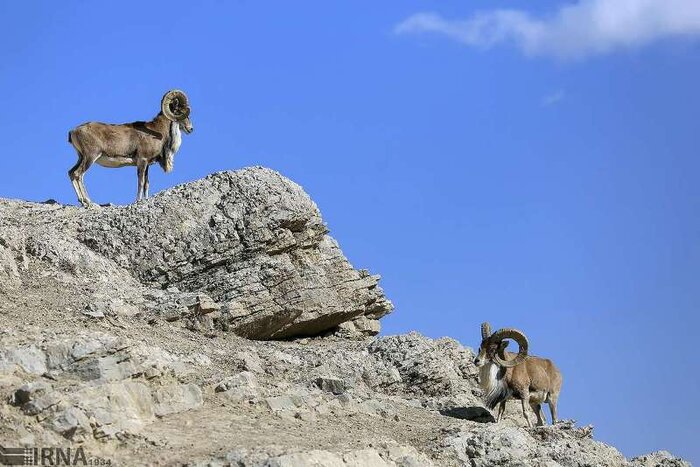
244 379
176 398
30 358
107 368
92 386
115 408
438 371
307 459
35 397
659 459
100 344
250 245
333 406
360 327
501 444
363 457
402 456
72 423
9 270
330 384
205 305
407 456
280 403
94 313
250 361
29 391
375 407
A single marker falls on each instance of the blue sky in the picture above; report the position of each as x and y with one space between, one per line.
535 168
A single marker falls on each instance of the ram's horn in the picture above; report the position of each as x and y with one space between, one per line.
517 336
175 105
485 331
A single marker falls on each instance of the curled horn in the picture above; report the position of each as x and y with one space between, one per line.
517 336
485 330
175 105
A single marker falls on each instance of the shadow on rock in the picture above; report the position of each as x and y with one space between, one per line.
475 414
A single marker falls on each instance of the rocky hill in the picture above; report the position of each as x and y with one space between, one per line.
219 324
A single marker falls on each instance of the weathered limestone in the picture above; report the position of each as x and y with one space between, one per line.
244 251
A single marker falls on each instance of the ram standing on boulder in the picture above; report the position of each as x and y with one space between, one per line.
137 144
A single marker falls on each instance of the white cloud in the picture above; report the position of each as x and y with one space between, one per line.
588 27
553 98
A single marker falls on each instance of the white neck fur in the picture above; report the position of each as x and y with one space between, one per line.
173 145
493 384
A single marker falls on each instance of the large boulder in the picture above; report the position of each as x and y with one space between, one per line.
249 245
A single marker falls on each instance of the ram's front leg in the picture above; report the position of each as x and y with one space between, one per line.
524 398
141 173
146 184
501 410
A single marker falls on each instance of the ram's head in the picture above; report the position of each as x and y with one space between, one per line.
493 347
176 107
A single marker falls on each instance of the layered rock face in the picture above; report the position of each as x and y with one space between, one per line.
251 244
327 401
218 324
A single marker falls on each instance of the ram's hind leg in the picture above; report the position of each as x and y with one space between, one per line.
87 162
552 402
77 174
537 408
74 180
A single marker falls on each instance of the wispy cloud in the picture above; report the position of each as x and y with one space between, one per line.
588 27
553 98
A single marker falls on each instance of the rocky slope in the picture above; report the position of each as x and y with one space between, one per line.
128 332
